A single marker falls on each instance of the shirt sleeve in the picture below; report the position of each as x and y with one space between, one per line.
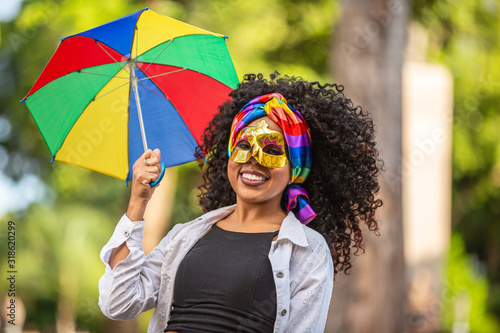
132 286
310 302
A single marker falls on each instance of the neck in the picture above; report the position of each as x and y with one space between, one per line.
258 214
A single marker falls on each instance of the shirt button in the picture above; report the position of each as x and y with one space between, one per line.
280 274
126 233
283 312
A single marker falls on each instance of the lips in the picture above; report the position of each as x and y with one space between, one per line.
253 178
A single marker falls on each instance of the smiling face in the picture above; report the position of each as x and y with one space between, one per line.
253 182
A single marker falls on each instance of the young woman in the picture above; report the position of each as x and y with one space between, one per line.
290 173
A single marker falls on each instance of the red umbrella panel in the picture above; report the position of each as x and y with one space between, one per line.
144 80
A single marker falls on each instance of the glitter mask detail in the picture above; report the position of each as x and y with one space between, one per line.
259 137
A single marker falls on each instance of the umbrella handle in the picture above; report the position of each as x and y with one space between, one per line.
162 173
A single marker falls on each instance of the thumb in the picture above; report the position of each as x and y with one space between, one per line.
157 153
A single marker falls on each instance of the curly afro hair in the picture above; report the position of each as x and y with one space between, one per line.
343 181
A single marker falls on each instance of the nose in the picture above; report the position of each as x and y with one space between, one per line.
252 160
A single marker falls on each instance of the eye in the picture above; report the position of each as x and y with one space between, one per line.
272 149
243 145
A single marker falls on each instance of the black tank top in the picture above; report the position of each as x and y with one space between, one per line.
225 284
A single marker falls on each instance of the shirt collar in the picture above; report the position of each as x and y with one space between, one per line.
216 215
291 228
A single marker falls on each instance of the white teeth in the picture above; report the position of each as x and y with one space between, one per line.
250 176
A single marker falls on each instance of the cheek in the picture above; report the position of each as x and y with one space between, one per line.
283 175
232 169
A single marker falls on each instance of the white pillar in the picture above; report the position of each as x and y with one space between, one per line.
426 174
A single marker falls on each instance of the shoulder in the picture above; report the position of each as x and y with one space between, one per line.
315 240
311 266
317 251
314 259
304 238
310 250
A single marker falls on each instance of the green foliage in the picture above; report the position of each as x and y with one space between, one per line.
465 293
58 239
465 36
289 36
57 261
186 206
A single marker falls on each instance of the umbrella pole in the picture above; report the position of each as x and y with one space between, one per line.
133 79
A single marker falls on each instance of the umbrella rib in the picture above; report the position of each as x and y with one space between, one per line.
150 77
109 92
118 77
137 41
159 54
152 91
117 62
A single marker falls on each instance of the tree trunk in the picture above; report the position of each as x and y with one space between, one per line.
367 56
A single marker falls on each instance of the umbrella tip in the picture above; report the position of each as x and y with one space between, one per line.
147 8
53 159
226 37
21 101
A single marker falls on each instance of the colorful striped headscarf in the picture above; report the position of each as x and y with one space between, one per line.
298 139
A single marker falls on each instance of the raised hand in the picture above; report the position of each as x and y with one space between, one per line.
146 170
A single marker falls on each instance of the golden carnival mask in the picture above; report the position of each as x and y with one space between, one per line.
265 145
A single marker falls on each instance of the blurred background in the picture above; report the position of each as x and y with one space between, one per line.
428 71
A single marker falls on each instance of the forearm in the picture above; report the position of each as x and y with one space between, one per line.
130 282
136 208
118 254
135 212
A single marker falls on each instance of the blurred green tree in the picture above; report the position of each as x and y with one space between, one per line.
58 239
465 37
466 293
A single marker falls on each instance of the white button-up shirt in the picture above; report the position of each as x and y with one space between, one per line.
301 262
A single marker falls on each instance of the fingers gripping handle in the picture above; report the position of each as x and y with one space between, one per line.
162 173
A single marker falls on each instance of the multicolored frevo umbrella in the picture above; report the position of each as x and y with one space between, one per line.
144 80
